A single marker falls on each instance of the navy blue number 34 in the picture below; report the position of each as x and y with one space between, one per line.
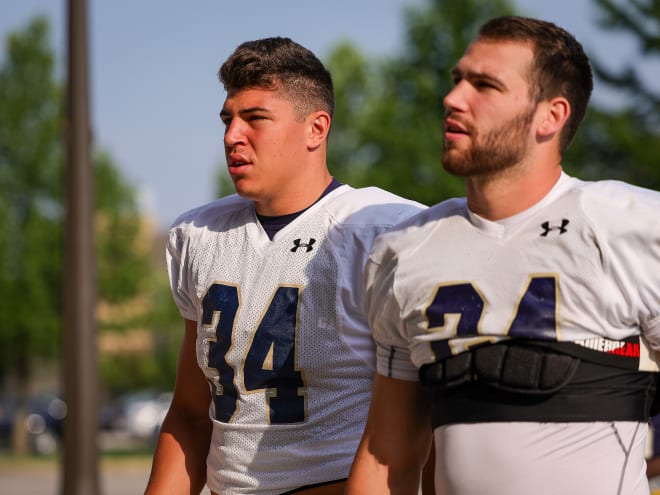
270 362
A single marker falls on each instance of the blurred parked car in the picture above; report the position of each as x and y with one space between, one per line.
43 421
130 421
140 414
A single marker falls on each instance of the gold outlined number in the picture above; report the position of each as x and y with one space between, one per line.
463 305
270 363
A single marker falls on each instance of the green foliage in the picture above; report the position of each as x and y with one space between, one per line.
224 185
30 190
641 20
122 262
32 165
616 145
623 140
387 129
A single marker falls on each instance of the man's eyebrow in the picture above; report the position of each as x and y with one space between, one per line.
456 73
249 110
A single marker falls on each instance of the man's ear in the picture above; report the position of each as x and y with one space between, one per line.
318 128
555 114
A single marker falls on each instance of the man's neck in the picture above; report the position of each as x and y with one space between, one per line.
273 224
508 194
296 198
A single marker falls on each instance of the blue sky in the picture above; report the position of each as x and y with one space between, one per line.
155 95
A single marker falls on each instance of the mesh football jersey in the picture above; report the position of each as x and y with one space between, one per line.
582 265
282 334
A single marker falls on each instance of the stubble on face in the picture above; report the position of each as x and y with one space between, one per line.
498 149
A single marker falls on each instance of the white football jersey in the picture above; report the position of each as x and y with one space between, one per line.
583 458
282 334
582 265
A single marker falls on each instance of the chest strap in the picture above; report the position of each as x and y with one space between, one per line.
513 381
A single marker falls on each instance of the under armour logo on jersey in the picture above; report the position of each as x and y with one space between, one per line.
297 243
547 228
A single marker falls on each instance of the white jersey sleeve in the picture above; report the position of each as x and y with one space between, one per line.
183 237
626 223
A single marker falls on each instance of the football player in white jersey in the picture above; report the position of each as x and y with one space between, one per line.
277 361
517 324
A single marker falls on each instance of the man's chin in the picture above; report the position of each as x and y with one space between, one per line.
455 167
243 189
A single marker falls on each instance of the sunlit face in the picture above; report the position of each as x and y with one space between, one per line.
264 143
489 112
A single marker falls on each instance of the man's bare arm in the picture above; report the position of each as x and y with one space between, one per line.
396 441
179 464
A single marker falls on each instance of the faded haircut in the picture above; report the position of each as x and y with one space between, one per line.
284 66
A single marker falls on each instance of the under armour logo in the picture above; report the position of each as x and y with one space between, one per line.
561 228
307 245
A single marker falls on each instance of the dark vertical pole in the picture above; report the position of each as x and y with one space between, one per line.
80 476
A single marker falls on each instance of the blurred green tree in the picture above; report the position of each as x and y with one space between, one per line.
641 21
387 129
31 157
387 126
622 140
32 215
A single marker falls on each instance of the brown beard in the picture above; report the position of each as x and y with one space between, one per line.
500 149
